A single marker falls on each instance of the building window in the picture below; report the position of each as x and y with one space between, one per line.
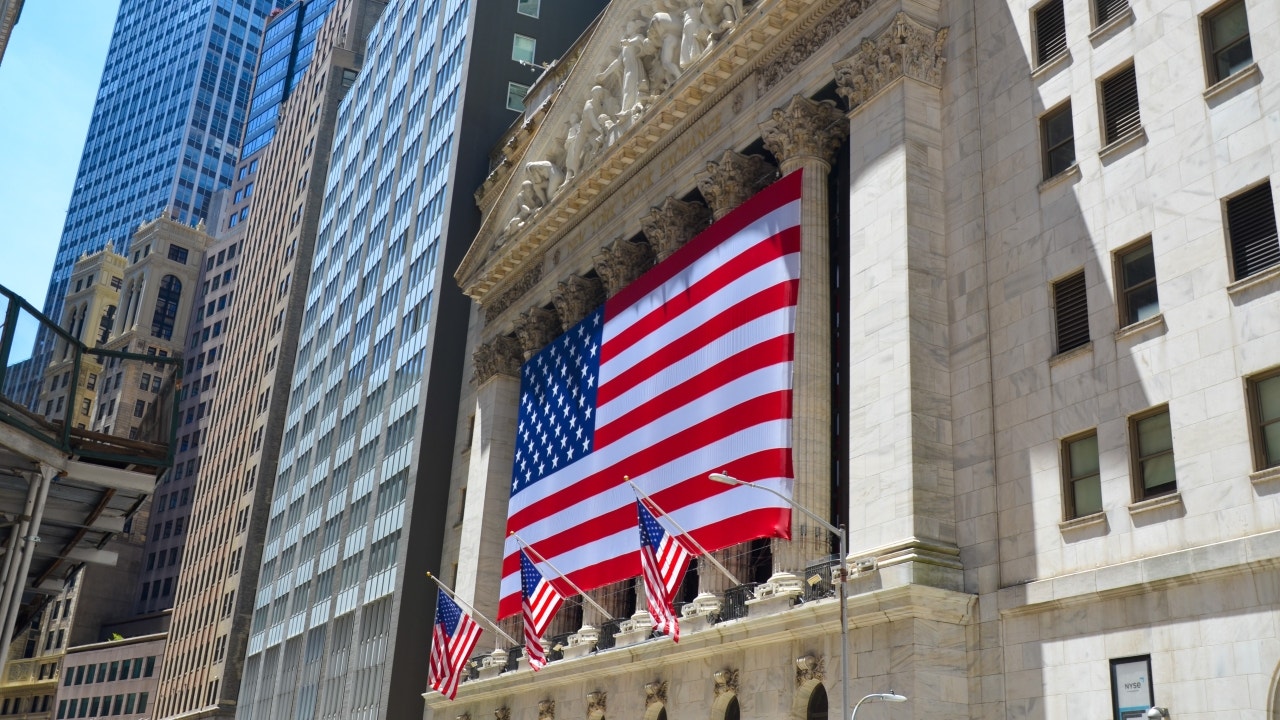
1136 281
1071 312
1083 488
1104 10
528 7
166 307
1120 116
522 48
178 254
1151 446
515 96
1251 230
1226 40
1059 140
1264 405
1050 25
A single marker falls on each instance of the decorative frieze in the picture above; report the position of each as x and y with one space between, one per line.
535 329
805 128
502 713
906 47
597 703
729 181
575 297
807 43
671 225
500 356
809 668
621 262
517 290
546 709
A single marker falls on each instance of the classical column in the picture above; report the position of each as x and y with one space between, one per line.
493 438
621 262
672 224
804 135
902 507
535 329
575 297
729 181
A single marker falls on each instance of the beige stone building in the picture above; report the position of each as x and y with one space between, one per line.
116 678
1037 361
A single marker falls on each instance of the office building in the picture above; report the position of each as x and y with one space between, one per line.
165 131
236 465
341 621
1035 357
116 678
10 11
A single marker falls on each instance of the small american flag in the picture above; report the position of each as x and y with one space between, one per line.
663 561
541 601
452 641
684 372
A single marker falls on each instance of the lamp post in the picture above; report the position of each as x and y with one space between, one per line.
890 696
839 532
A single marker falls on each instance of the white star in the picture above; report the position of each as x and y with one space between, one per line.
542 467
593 349
570 453
555 462
587 413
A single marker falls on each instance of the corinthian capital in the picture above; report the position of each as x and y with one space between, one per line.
535 329
805 128
904 48
729 181
576 296
620 263
670 226
500 356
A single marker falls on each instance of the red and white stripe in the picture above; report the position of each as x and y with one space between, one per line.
695 377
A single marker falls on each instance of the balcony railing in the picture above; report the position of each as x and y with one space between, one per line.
147 439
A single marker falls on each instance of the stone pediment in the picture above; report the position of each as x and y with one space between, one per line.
648 69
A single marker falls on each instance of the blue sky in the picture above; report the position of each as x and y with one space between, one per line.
48 79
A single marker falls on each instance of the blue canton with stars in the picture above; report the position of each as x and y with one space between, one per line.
558 403
447 614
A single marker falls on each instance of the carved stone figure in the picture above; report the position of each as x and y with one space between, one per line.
664 32
572 149
718 16
546 178
634 84
525 206
693 36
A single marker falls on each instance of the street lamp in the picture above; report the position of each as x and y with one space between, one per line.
890 696
839 532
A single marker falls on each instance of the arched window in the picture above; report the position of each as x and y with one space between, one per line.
817 709
166 307
731 711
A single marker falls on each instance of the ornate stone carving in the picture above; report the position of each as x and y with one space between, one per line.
726 681
655 692
463 716
500 356
597 702
576 296
904 48
806 43
621 262
674 223
517 290
502 713
810 668
729 181
805 128
535 328
546 709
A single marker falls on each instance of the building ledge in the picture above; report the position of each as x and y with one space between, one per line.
1155 322
1098 519
1068 355
1052 65
1227 86
1135 577
1108 28
1071 174
1173 499
1121 146
1254 281
1265 477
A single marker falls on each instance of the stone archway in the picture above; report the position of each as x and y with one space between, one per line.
810 701
726 707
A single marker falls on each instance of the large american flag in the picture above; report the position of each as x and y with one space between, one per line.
540 601
684 372
452 641
663 562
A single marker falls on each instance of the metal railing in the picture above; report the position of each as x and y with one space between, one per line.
65 425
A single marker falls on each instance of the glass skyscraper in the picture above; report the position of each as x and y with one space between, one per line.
166 126
287 46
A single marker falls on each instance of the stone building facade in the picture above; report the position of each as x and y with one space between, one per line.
1036 356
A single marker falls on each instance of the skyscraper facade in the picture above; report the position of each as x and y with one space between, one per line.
166 126
342 618
287 46
236 465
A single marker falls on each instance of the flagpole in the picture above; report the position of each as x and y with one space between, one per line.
472 609
539 558
683 532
